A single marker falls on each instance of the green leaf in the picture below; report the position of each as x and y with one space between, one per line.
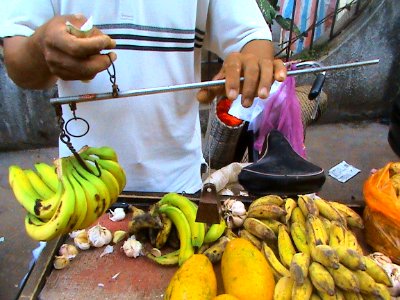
285 23
267 10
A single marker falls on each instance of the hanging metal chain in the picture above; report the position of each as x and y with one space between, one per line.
113 78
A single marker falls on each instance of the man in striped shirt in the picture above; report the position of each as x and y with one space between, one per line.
151 43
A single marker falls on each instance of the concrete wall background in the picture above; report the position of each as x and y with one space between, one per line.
28 120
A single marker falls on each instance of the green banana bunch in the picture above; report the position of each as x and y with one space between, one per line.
48 174
44 231
181 223
189 209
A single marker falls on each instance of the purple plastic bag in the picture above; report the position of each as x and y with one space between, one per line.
283 112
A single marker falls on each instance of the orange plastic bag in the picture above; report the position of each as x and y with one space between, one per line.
382 212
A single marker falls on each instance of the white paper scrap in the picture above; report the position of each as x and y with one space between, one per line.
343 171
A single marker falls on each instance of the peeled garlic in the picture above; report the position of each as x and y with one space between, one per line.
107 250
117 215
82 241
69 251
132 247
99 236
60 262
119 235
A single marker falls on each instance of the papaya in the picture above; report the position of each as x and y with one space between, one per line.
194 280
245 271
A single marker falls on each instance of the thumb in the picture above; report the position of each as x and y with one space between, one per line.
205 95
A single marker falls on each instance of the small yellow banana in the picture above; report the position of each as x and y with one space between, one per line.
316 232
299 267
299 236
315 297
269 199
297 216
259 229
337 235
349 295
290 204
266 211
345 278
273 224
277 267
321 279
383 292
163 233
303 291
285 246
350 258
215 251
328 211
307 205
325 255
366 283
352 242
353 219
283 288
376 272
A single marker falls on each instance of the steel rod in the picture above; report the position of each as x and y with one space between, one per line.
197 85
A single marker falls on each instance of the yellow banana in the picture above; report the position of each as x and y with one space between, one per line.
337 235
111 166
251 238
303 291
183 227
290 204
353 219
383 292
376 272
325 296
100 185
56 225
189 210
345 278
316 232
94 201
269 199
215 231
163 233
26 195
350 258
299 267
299 237
315 297
285 246
321 279
104 152
259 229
349 295
325 255
297 216
48 174
277 267
80 209
327 225
273 224
215 251
328 211
169 259
266 211
352 242
283 288
39 185
366 283
307 205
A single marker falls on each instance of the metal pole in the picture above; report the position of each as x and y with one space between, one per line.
334 19
197 85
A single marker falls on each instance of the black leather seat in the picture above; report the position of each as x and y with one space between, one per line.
281 171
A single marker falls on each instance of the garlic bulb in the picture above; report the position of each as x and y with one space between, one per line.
235 212
238 208
117 214
82 241
69 251
99 236
132 247
60 262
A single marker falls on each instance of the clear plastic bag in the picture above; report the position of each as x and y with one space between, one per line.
282 111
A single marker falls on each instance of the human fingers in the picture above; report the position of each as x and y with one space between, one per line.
232 68
280 70
70 68
206 95
251 72
266 78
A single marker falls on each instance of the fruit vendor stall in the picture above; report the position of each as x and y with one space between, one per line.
149 246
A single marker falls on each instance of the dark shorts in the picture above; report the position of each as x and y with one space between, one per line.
394 128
